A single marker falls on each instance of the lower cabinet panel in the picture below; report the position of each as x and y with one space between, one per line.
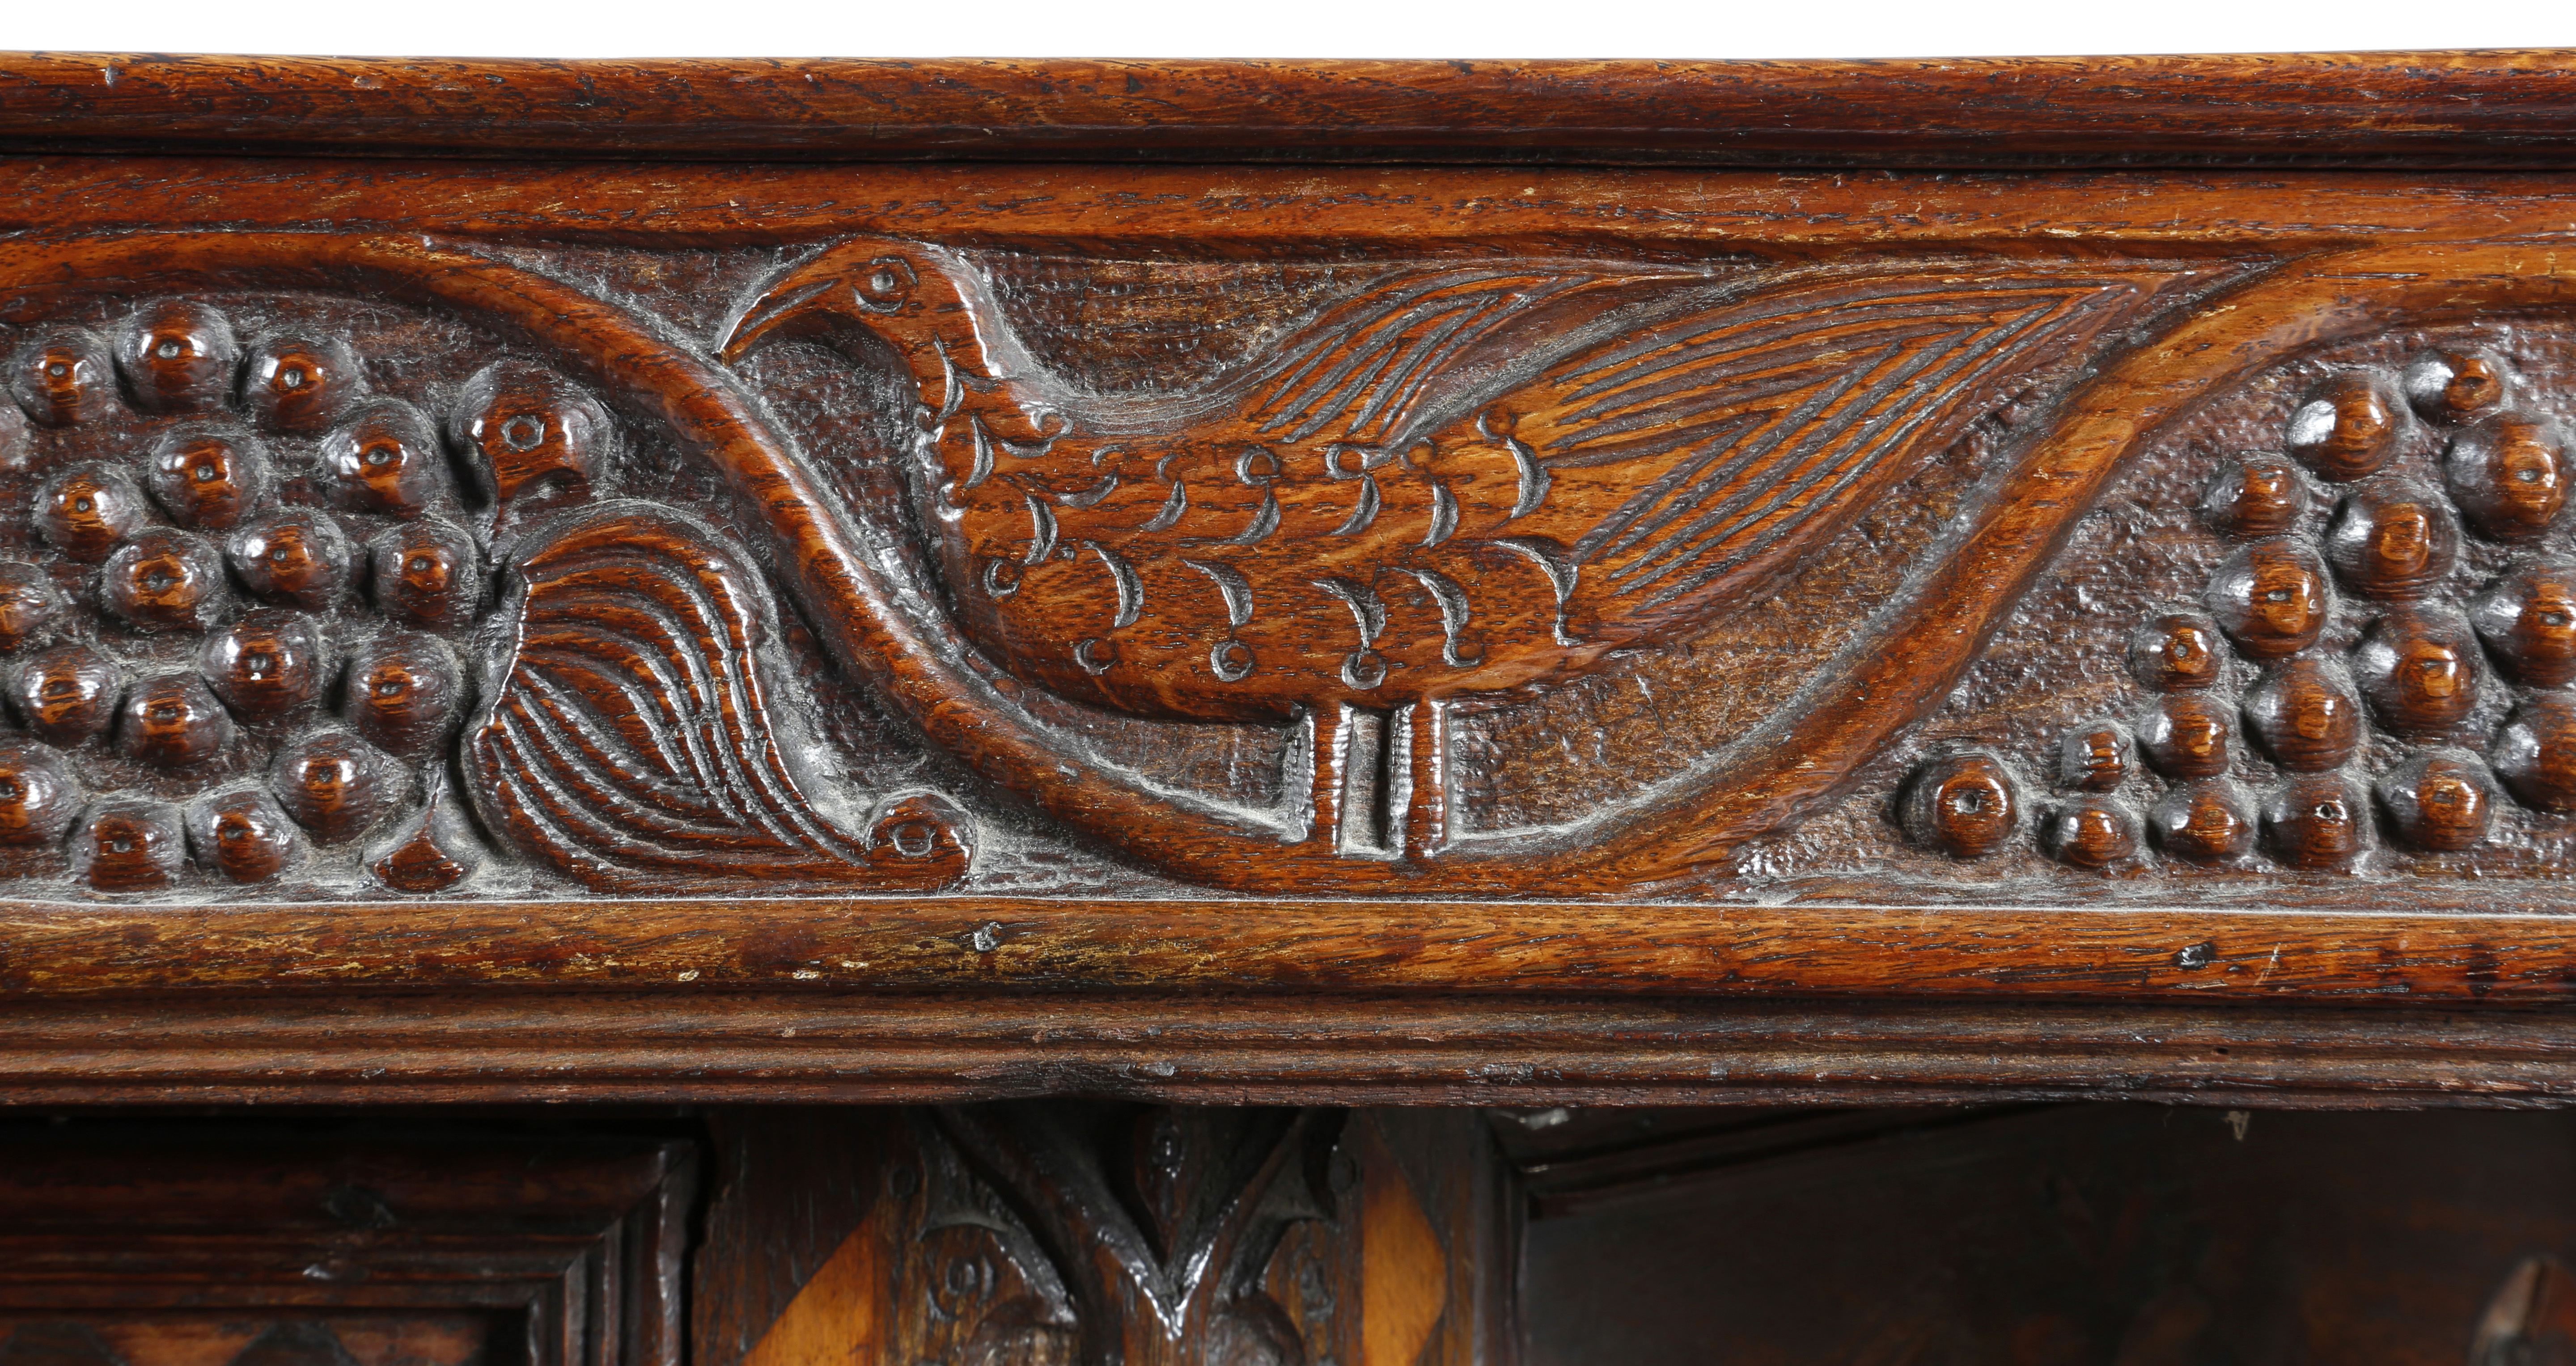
1086 1233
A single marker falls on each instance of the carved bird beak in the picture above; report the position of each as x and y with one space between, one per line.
865 282
795 306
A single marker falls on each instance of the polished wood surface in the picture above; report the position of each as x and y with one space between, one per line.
2439 111
1401 629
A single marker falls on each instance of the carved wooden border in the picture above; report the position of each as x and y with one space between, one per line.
2447 111
1230 999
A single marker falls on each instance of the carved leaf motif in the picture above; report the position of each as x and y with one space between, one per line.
636 737
1160 1222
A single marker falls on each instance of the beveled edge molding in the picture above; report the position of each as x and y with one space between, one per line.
845 1047
679 950
2448 110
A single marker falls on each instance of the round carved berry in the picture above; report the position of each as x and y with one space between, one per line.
428 573
2316 823
128 844
270 663
2089 832
2453 386
527 429
2176 652
1961 805
404 692
172 721
165 580
37 795
334 784
2394 539
2440 801
2188 736
67 694
2419 669
2529 619
2271 598
2535 753
2509 476
62 377
2259 496
30 604
2203 823
207 477
301 384
84 513
384 460
294 557
2304 715
2093 757
243 836
2347 429
177 357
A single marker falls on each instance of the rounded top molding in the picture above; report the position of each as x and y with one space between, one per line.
2454 111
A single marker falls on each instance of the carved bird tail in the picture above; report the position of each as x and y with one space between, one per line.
635 735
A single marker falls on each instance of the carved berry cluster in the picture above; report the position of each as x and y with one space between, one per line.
280 565
2316 719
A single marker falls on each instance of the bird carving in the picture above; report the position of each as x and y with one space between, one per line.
1457 478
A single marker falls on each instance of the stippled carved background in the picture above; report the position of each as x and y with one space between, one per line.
845 791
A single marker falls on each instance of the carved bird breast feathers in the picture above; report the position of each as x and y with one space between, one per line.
1456 477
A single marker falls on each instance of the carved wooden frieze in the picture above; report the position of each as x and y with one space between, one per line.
353 564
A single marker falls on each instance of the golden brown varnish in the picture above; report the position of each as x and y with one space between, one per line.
2441 801
129 844
2304 714
243 835
267 664
208 478
2419 669
66 694
86 513
334 784
1963 805
300 557
2316 822
2347 428
2271 598
172 720
2509 474
2203 822
2255 498
2528 619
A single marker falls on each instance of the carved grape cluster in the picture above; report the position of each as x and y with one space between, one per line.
282 565
2315 719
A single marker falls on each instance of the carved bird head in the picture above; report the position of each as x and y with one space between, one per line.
920 300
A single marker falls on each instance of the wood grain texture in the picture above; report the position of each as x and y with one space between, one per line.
1606 586
2438 110
767 1048
568 1250
1092 1233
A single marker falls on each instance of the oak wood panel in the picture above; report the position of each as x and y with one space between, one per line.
1245 1049
2078 1234
2431 110
552 1252
2008 594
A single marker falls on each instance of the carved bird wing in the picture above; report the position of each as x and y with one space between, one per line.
1458 478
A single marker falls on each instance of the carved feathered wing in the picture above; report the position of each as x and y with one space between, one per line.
1468 479
633 734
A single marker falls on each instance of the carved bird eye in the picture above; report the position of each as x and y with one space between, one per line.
884 284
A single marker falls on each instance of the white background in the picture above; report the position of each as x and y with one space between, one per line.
1274 28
